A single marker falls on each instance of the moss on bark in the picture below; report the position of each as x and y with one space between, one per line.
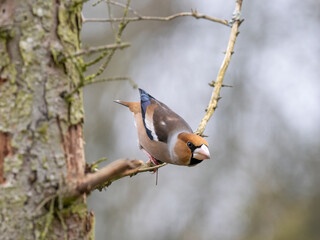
38 119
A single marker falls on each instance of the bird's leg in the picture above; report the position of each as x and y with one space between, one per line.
151 158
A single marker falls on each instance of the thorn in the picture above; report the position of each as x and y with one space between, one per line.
224 52
213 83
194 12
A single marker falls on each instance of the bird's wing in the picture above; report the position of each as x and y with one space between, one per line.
159 120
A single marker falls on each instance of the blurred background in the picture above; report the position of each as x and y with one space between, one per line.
263 179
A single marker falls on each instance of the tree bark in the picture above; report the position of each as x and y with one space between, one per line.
41 142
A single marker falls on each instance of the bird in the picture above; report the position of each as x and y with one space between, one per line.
163 135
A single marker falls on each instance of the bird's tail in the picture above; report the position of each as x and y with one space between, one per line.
133 106
124 103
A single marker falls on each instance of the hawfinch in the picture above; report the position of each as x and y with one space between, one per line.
163 135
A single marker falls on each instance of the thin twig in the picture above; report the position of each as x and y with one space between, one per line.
110 16
94 61
45 201
49 219
93 167
101 68
63 224
124 6
213 103
122 26
101 48
96 163
154 18
98 2
123 23
134 85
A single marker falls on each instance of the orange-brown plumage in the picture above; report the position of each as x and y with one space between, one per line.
163 135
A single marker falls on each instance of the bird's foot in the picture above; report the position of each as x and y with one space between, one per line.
152 160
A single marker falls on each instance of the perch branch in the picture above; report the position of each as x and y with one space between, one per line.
213 103
112 172
194 14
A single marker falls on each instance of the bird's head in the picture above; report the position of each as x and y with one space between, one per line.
191 149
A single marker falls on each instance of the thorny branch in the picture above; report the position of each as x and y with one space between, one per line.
213 103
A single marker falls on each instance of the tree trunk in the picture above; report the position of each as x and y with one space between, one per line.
41 143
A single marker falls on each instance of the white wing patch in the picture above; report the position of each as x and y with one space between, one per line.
149 125
134 121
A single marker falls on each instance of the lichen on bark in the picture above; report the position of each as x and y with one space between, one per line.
45 130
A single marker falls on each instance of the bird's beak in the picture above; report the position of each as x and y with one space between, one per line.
201 153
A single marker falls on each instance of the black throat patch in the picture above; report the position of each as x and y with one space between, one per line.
194 162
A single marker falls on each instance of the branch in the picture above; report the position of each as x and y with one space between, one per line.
90 80
101 48
133 84
194 14
94 61
213 103
122 26
123 6
112 172
96 49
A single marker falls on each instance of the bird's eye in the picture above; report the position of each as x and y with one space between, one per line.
190 145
